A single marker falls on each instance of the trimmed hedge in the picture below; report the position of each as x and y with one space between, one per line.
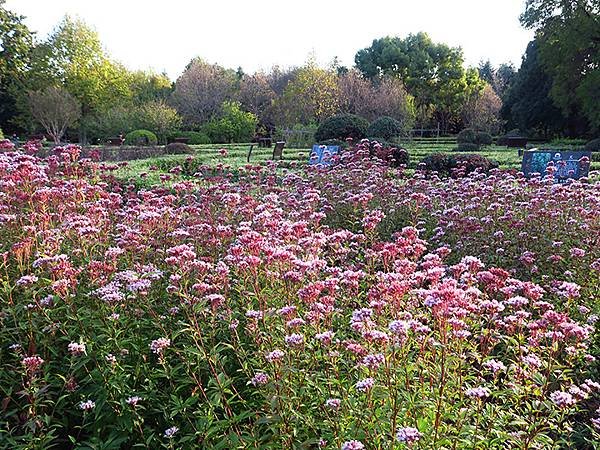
141 137
341 127
503 140
446 164
175 148
467 147
468 135
385 127
194 137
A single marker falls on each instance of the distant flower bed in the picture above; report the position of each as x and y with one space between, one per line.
336 308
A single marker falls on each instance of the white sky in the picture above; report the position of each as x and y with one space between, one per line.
257 34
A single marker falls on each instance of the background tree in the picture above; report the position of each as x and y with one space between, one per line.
482 111
148 86
310 97
257 96
433 73
16 44
568 32
528 105
55 109
201 90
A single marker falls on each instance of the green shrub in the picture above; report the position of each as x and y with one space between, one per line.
445 164
593 145
176 148
233 125
194 137
385 127
467 147
473 162
568 141
141 137
468 135
483 138
341 127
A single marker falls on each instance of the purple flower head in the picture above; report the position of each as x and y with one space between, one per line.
353 445
365 385
408 435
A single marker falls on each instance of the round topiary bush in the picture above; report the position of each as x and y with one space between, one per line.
141 137
468 135
341 127
467 147
176 148
385 127
593 145
483 138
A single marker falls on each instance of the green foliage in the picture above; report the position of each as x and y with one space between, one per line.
484 138
447 164
385 127
194 137
433 73
467 135
16 43
341 127
528 104
569 46
593 145
1 134
141 137
233 125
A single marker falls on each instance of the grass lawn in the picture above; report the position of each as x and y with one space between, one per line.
237 153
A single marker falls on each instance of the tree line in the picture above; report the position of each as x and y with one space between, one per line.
69 83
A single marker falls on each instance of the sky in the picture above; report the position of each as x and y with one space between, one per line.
164 36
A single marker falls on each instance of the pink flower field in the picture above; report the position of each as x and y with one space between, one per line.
345 307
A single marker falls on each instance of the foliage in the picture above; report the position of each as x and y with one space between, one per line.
148 87
310 97
73 57
482 111
484 138
1 134
569 47
201 90
467 135
257 96
194 137
528 104
593 145
233 125
433 73
16 43
457 165
499 79
55 109
375 98
175 148
155 115
341 127
385 127
141 138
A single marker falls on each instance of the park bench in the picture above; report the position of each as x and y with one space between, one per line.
115 141
516 142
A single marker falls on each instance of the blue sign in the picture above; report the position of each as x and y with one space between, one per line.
565 164
323 154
